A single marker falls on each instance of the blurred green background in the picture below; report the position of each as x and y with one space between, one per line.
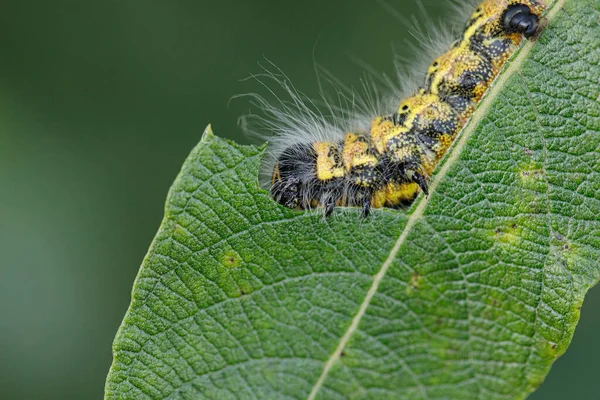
100 103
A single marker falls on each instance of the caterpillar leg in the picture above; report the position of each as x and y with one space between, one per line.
329 206
362 198
420 180
366 207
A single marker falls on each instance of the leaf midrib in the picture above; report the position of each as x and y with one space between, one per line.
454 152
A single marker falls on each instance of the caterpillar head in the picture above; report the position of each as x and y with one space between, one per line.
285 191
520 18
292 176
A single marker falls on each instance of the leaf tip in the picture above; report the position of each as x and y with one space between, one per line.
207 135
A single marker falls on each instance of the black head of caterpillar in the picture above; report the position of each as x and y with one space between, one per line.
518 18
390 163
294 180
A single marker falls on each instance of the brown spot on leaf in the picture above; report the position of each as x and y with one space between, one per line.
414 280
532 174
231 259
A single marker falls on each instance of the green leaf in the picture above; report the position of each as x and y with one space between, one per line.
471 294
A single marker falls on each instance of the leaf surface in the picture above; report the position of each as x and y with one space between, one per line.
471 294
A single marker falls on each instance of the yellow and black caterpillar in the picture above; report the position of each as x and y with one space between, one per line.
390 163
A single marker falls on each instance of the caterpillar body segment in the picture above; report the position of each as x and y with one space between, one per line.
422 123
389 164
460 78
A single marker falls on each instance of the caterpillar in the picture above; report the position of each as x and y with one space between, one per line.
389 162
